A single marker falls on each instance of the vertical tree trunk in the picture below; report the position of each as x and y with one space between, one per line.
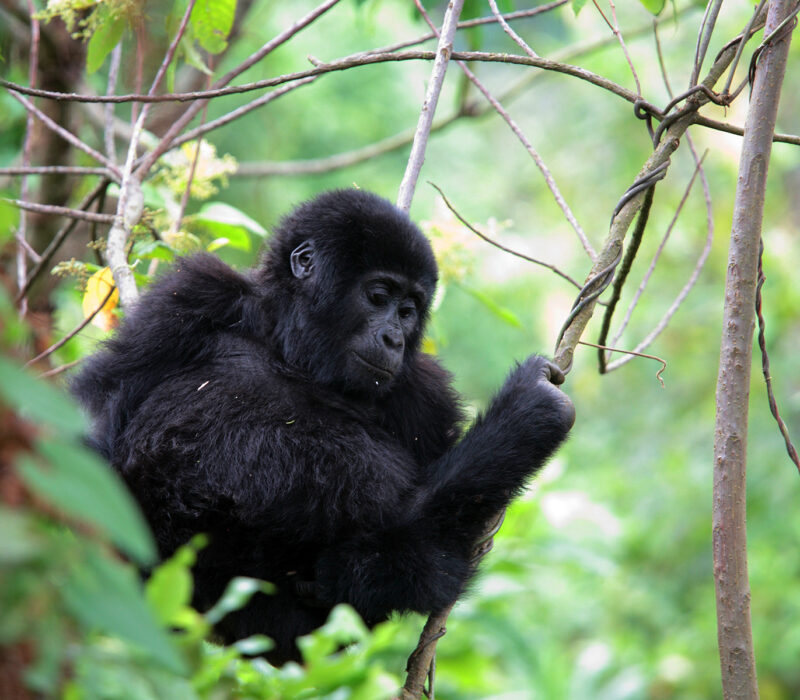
737 658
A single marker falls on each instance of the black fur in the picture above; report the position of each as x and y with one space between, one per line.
289 414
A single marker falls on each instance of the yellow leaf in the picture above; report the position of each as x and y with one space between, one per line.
97 289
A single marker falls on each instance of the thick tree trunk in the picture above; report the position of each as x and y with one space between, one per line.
737 657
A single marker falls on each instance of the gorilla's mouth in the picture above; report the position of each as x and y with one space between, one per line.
389 374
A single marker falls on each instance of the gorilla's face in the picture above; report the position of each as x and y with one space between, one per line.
389 307
357 332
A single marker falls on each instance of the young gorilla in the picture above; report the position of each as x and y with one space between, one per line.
290 415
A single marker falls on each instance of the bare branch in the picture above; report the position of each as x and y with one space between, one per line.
69 336
108 112
549 180
632 354
614 27
486 238
508 30
194 108
734 632
700 120
417 155
65 134
60 237
54 170
61 211
33 65
340 65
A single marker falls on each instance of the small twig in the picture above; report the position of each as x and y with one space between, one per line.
418 147
633 353
219 86
58 370
60 237
614 27
656 256
704 37
22 230
486 238
202 129
55 346
537 159
65 134
53 170
108 111
762 344
508 30
54 210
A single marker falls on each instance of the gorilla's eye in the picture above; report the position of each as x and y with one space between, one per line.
378 297
407 311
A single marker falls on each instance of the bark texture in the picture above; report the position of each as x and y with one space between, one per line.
737 657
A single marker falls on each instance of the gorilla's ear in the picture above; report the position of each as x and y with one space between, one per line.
302 260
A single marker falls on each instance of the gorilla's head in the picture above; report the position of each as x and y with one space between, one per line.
353 279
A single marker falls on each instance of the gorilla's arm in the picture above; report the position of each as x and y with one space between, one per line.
424 561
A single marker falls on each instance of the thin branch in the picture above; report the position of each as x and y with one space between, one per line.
237 113
417 155
704 38
65 134
537 159
182 121
508 30
656 257
54 210
632 354
54 170
486 238
762 344
33 66
131 199
614 27
58 370
60 237
739 131
108 112
63 341
341 65
612 248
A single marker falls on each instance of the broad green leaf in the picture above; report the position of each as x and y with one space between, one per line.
654 6
83 486
212 21
107 35
217 212
38 401
105 595
252 646
500 311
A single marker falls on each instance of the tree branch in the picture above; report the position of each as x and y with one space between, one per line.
737 658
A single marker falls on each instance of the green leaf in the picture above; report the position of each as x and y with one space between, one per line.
500 311
219 213
577 6
236 596
212 21
83 486
169 588
105 595
38 401
107 35
654 6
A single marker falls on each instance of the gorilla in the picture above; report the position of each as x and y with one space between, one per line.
289 414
